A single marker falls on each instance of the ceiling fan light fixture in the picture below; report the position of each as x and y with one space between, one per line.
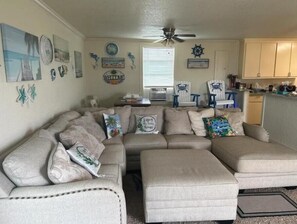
170 37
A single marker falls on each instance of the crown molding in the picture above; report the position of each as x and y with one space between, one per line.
59 18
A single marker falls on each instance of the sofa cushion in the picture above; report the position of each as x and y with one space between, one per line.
113 125
197 123
245 154
111 172
218 127
70 115
27 164
62 170
113 154
98 115
157 110
134 143
124 113
74 134
234 118
6 186
177 122
59 125
115 140
83 157
256 132
146 124
89 124
187 142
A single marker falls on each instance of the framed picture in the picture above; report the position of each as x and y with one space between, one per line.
61 50
21 55
78 64
113 62
197 63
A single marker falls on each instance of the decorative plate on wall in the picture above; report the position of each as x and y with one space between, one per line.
111 49
46 50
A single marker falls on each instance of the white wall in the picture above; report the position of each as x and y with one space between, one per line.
17 121
107 93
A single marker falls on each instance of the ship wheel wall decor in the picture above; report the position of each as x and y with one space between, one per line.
197 51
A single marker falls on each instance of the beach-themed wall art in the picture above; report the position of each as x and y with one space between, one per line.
53 74
113 62
61 50
21 55
24 96
132 59
197 50
63 69
112 49
78 64
46 50
198 63
32 92
114 77
96 58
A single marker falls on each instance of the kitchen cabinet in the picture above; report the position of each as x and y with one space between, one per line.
254 109
293 63
259 60
286 60
252 60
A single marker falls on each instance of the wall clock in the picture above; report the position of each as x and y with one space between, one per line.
197 50
111 49
46 50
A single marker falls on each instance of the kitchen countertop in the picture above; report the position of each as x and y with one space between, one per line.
259 93
287 96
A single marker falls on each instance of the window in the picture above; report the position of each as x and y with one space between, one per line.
158 67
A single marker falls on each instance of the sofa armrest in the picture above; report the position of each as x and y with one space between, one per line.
256 132
91 201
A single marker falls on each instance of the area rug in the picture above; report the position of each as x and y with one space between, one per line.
259 204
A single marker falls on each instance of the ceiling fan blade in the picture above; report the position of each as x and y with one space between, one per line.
158 41
185 35
177 39
154 36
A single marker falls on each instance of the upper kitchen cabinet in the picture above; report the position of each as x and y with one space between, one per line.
293 61
283 59
259 60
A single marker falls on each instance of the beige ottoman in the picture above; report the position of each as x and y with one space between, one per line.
186 185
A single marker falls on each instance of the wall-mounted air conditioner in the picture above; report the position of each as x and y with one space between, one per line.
158 94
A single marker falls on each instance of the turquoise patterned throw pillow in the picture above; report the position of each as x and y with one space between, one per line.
218 127
113 125
146 124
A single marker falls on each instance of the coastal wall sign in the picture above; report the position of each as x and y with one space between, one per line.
114 77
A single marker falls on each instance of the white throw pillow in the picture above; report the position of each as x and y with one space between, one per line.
146 124
197 122
82 156
61 169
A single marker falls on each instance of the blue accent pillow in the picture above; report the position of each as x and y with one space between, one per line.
218 127
113 125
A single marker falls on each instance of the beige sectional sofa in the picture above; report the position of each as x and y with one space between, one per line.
28 196
253 160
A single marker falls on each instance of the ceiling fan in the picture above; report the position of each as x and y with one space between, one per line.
169 37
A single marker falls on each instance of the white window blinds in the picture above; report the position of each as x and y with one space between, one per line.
158 67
